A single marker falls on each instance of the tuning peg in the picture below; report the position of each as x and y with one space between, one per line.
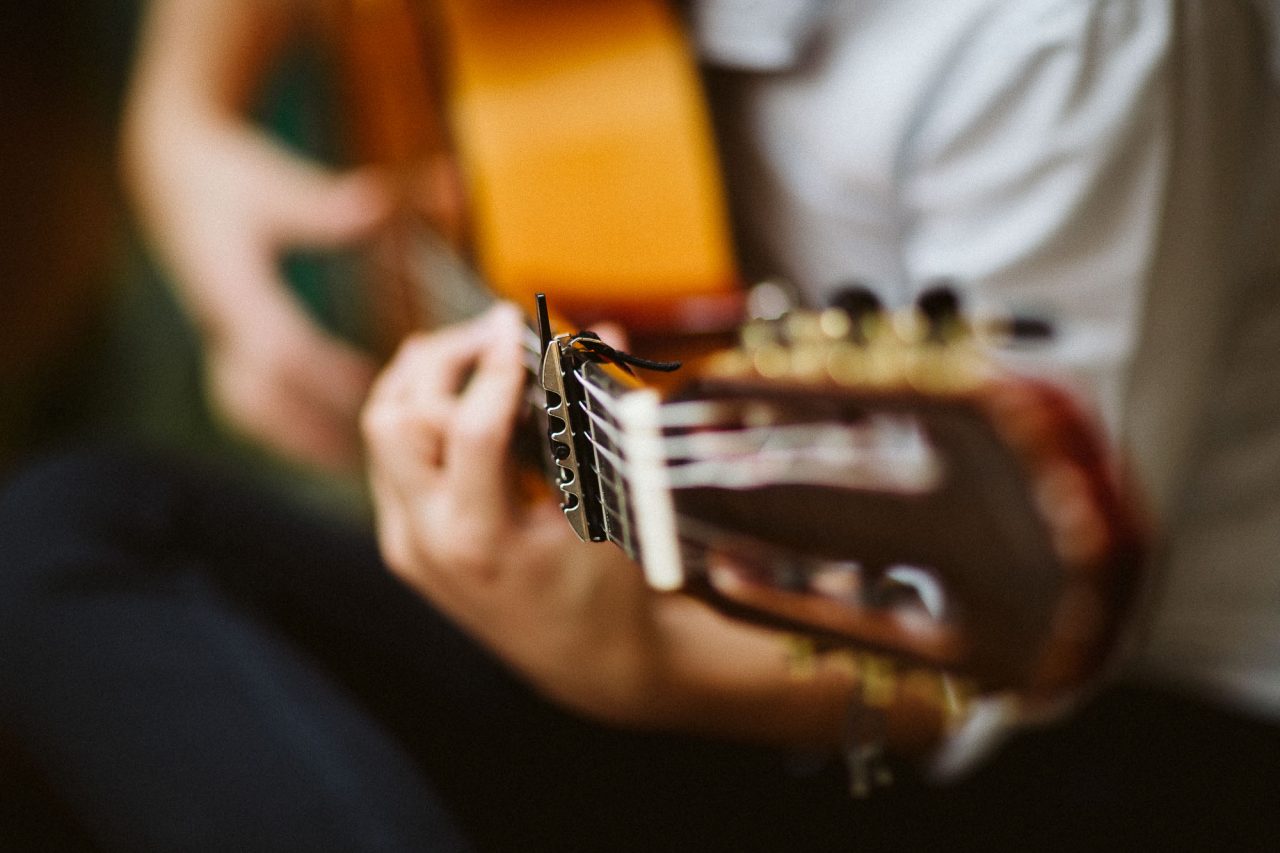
856 299
942 309
771 299
1026 328
1004 328
860 308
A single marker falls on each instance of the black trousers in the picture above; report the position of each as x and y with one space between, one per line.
187 665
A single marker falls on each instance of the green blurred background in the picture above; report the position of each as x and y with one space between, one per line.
92 343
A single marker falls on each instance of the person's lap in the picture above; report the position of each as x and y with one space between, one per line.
145 690
199 664
191 665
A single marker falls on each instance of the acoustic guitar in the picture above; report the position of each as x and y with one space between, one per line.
868 480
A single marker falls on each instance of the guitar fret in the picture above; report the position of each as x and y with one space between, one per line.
617 463
613 484
612 412
610 430
616 488
624 542
597 395
607 464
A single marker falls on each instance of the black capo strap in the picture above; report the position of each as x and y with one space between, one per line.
599 350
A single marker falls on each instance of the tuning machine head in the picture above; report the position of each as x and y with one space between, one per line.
856 342
857 312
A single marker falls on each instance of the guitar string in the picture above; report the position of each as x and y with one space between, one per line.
607 448
612 490
703 446
706 459
618 522
682 415
597 395
612 478
687 414
614 487
761 456
714 446
693 543
611 431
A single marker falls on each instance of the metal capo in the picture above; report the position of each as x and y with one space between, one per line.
579 495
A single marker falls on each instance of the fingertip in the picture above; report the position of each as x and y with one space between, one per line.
613 334
365 195
503 327
333 209
505 315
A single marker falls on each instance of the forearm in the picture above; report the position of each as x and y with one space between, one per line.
199 66
200 58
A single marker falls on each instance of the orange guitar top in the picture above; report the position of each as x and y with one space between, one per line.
586 151
582 140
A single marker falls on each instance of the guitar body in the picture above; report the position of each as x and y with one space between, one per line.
587 155
579 143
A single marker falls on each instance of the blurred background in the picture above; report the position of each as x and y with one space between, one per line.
92 341
63 246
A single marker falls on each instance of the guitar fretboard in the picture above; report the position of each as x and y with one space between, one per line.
608 463
621 461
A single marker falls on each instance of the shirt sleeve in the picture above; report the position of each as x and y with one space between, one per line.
1033 175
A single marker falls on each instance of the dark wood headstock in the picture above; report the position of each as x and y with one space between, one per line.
931 505
876 481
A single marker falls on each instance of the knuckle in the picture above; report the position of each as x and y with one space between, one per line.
428 415
479 434
414 345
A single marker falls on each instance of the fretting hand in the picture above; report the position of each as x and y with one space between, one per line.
575 619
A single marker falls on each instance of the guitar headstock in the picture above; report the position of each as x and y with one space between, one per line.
871 479
875 479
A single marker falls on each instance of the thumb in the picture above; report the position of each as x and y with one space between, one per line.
613 334
316 207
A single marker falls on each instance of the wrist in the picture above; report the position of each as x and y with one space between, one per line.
753 684
724 678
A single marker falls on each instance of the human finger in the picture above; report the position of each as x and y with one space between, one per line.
434 365
305 204
336 375
392 526
477 452
258 406
404 440
411 412
613 334
439 194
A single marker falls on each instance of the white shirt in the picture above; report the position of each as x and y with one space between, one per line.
1023 148
1018 147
